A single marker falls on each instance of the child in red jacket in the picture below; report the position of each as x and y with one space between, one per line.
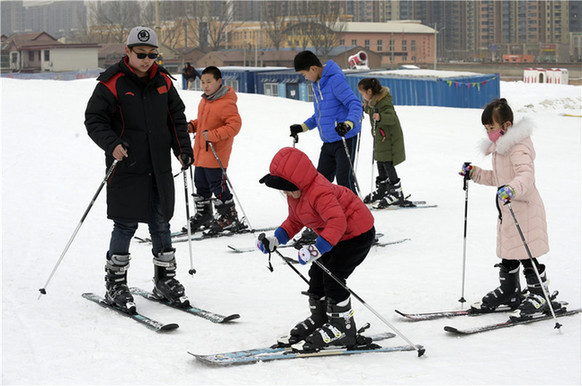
345 229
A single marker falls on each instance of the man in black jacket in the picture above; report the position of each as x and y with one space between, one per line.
137 117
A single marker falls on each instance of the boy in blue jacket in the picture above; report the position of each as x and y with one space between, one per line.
338 113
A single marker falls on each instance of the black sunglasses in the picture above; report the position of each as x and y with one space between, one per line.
141 55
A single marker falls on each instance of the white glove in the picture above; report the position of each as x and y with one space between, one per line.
308 253
271 241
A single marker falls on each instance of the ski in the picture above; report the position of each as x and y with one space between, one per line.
208 315
416 317
251 249
277 352
180 237
148 322
407 205
508 323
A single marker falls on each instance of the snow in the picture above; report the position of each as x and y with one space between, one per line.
51 170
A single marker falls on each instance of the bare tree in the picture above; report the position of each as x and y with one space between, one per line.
273 21
114 18
316 23
326 24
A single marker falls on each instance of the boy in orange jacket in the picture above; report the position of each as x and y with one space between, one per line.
218 122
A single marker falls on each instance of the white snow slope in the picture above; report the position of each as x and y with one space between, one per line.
51 169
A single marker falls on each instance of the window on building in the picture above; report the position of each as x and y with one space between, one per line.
47 55
231 83
379 45
354 42
391 45
31 56
342 42
367 44
271 89
14 58
413 45
404 45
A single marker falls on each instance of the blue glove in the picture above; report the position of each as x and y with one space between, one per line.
505 193
466 170
312 252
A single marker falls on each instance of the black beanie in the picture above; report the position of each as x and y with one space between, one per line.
278 183
304 60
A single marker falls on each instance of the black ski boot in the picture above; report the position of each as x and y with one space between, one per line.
165 285
307 237
508 293
317 318
203 216
379 193
340 330
535 303
227 218
393 196
117 293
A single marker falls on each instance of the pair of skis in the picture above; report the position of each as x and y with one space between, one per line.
511 322
154 324
281 351
406 205
290 244
180 237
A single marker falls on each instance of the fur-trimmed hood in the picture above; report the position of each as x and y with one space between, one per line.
515 134
376 98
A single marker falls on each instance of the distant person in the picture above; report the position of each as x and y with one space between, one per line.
137 117
513 175
388 142
189 74
218 122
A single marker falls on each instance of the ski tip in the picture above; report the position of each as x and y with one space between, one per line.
168 327
451 329
400 313
421 350
230 317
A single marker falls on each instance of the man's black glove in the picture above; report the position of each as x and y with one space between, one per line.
342 128
295 129
186 161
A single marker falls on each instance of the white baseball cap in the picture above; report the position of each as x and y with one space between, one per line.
142 36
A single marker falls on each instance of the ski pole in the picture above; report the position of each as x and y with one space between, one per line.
352 167
419 348
192 271
107 175
466 189
295 139
266 244
558 325
229 183
373 151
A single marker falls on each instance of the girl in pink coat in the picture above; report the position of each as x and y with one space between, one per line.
513 155
345 229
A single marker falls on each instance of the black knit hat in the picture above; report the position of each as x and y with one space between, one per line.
279 183
304 60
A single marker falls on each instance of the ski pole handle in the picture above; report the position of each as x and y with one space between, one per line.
263 239
467 176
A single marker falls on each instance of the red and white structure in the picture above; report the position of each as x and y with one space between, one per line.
545 75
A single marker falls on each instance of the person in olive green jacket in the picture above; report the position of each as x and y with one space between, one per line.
388 142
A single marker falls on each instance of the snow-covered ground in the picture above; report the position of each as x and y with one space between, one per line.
51 169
